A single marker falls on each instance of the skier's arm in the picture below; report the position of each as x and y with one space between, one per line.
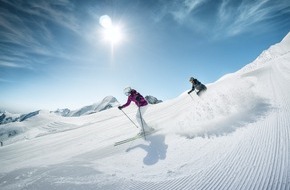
127 103
192 89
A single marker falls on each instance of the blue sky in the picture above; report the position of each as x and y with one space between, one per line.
53 53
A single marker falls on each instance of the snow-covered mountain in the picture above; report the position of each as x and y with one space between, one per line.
152 99
107 103
235 136
6 117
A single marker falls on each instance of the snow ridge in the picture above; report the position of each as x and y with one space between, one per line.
274 52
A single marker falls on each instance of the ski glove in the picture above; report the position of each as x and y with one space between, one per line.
120 107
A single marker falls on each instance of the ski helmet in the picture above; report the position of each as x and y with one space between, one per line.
127 91
191 79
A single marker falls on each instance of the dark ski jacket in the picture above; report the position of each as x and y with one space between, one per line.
197 85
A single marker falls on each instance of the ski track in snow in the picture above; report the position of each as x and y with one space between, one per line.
235 136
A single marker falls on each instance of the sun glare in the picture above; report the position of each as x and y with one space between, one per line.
111 33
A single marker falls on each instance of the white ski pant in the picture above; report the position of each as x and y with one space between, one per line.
140 119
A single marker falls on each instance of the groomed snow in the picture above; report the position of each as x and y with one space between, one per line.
235 136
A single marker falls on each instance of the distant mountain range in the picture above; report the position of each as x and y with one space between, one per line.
6 117
107 103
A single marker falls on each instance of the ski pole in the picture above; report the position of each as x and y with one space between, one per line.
191 97
129 118
142 124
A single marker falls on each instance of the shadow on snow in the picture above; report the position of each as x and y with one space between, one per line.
156 149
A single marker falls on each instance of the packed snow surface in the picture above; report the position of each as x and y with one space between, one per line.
235 136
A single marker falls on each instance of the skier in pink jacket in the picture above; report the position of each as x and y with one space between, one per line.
141 102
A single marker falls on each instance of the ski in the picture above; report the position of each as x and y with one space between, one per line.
127 140
133 138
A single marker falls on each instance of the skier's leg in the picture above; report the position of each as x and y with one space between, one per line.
140 118
202 89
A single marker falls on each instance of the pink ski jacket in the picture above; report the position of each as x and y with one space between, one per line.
137 98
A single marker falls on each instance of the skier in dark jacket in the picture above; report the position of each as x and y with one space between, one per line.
142 104
197 85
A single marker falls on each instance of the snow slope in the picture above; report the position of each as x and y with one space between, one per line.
236 136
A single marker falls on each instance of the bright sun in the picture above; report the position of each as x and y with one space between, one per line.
111 33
